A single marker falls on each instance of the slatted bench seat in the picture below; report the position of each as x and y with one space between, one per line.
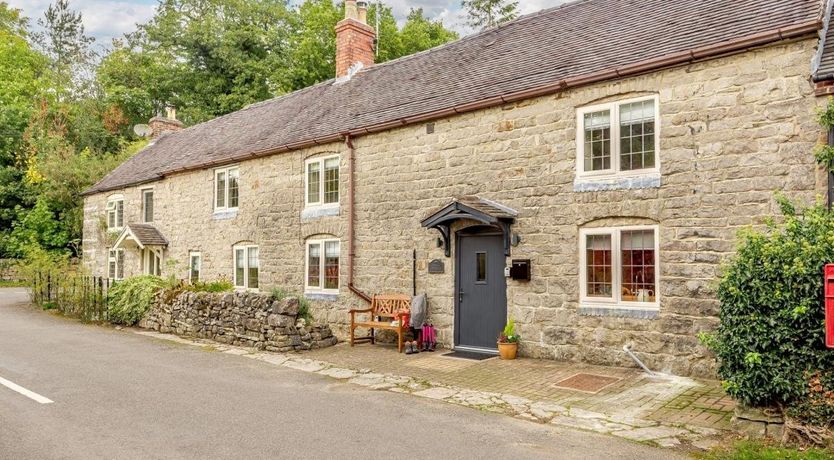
394 307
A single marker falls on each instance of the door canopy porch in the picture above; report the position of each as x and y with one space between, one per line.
474 208
142 236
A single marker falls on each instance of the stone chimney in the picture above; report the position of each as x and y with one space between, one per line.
169 123
354 38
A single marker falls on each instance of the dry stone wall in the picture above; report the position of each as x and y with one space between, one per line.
733 130
239 318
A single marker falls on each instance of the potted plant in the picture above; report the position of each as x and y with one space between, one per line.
508 341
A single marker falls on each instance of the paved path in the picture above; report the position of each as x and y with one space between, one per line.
121 395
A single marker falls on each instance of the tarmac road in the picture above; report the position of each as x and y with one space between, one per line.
116 394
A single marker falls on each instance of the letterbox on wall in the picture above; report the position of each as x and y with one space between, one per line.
829 305
520 270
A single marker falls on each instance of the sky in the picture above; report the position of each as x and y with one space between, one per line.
107 19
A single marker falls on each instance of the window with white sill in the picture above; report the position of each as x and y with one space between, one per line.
226 189
115 264
619 267
195 265
322 266
247 266
115 212
321 182
147 205
618 139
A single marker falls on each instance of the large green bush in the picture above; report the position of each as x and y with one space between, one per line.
770 340
129 299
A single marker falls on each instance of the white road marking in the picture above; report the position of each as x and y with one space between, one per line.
29 394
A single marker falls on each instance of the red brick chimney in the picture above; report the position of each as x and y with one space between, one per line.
354 38
168 123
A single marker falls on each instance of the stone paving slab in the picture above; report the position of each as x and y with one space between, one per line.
635 396
637 407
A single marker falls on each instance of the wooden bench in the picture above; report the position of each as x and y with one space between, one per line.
390 306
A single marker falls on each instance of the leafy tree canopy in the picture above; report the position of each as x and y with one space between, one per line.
483 14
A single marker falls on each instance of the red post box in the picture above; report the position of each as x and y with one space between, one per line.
829 305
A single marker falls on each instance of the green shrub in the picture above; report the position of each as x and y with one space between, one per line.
129 299
304 309
279 293
770 339
221 285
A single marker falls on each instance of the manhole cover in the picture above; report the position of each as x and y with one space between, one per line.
590 383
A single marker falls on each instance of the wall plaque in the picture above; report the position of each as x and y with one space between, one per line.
436 266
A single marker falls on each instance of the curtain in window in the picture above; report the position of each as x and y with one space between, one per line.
234 175
313 182
220 183
314 265
638 270
331 265
597 126
253 266
599 275
240 270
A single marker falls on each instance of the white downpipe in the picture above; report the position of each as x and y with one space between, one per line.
627 349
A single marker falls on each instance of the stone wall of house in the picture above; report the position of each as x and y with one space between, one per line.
733 130
240 318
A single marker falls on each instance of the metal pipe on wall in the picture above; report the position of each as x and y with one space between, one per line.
352 218
830 173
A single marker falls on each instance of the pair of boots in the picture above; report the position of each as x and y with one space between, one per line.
412 347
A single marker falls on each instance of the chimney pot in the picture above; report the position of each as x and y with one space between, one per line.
350 9
169 123
362 8
355 39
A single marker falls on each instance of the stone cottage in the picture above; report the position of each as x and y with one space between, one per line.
583 170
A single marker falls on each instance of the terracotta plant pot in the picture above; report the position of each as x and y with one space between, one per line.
507 350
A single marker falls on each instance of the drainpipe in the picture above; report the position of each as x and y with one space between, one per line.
830 173
352 218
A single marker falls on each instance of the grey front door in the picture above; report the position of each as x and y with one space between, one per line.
481 290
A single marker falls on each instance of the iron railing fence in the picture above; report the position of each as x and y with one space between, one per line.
75 295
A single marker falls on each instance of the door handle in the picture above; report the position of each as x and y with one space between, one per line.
460 296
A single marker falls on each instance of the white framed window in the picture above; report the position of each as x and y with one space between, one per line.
152 262
247 266
619 266
195 266
321 182
619 138
116 264
115 212
322 266
226 188
147 205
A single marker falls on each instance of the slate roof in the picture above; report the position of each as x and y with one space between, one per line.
464 207
825 67
569 45
147 235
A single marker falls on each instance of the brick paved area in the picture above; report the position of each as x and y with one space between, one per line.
634 395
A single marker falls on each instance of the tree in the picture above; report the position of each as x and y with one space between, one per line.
483 14
69 49
212 57
313 43
22 79
419 33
